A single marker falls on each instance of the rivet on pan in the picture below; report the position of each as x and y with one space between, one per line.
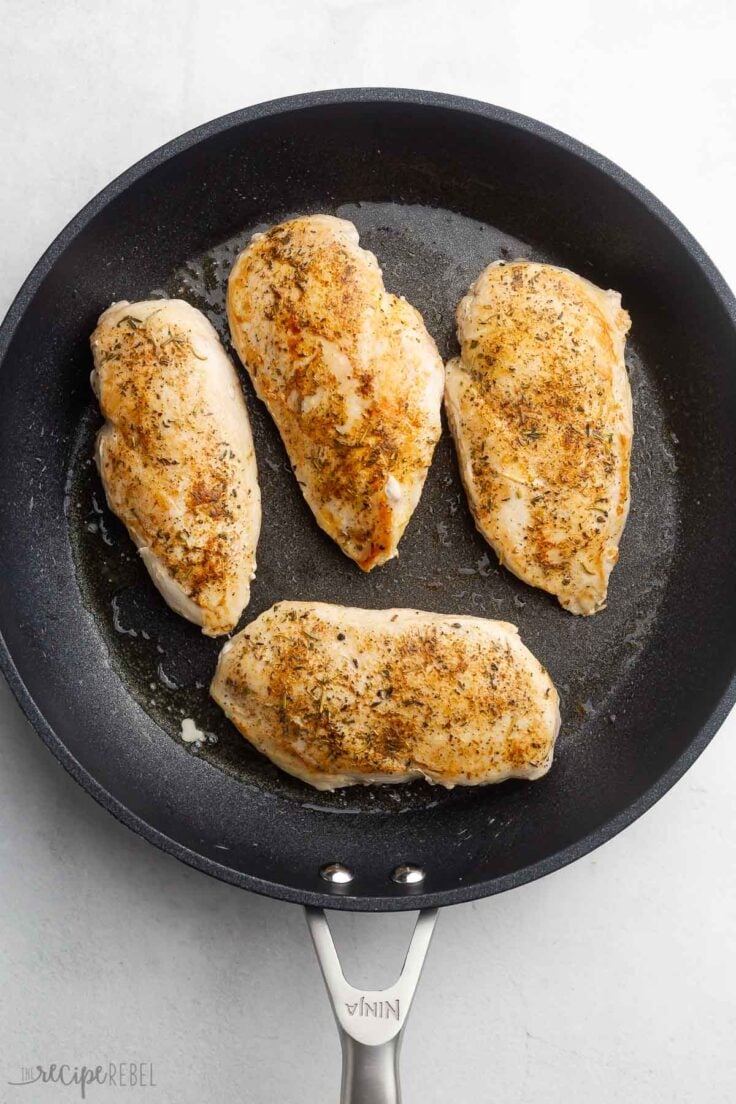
408 874
336 874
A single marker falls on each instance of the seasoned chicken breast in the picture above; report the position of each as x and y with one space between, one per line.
176 456
539 405
339 696
349 373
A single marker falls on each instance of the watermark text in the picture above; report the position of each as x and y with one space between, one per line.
118 1075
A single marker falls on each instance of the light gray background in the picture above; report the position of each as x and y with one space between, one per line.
613 980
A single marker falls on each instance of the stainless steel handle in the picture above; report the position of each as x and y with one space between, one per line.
370 1022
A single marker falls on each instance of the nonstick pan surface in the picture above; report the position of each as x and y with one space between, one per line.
438 187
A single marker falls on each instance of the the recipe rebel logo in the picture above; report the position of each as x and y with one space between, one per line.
111 1075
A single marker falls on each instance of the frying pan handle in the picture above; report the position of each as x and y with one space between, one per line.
370 1022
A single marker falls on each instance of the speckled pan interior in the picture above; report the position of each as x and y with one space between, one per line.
438 188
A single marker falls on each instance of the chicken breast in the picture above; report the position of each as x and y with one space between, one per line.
341 696
176 456
349 373
539 405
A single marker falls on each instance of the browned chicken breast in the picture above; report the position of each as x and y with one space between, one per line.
340 696
539 405
349 373
176 456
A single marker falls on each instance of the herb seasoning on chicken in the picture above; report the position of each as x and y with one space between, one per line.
340 696
539 405
176 456
349 373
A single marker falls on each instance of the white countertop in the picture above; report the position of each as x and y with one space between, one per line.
611 981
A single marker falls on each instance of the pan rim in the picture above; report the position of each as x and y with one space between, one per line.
290 104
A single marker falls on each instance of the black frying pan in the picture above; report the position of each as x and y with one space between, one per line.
438 187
